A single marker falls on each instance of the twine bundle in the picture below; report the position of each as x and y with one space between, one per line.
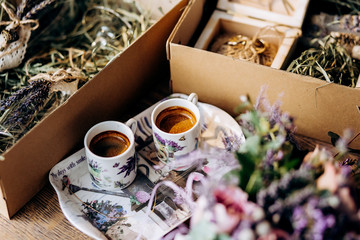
253 49
14 39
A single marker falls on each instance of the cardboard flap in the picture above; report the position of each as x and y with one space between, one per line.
185 28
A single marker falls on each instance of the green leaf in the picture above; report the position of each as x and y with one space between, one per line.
264 126
247 168
223 237
288 165
251 145
255 183
133 200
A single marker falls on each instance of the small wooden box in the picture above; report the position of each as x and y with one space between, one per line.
220 23
285 12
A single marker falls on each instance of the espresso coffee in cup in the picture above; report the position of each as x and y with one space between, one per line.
110 154
175 119
109 144
176 128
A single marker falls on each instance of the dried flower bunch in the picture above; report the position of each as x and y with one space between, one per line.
349 41
72 41
337 23
273 195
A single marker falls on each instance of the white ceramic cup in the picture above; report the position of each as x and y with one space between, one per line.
172 145
117 172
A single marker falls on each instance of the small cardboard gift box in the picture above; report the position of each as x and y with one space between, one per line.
234 34
318 107
25 166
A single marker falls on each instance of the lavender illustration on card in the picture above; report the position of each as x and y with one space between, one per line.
104 214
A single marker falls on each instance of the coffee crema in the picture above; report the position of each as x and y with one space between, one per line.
109 144
175 119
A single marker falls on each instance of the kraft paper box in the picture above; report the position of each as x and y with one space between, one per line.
24 170
318 107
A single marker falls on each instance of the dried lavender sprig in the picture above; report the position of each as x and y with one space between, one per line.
21 7
15 97
282 188
24 111
38 7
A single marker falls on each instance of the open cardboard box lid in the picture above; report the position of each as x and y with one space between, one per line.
284 12
318 107
25 166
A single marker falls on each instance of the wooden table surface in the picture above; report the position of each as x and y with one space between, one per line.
42 218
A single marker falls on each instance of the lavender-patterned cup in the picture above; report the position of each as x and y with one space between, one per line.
117 170
170 145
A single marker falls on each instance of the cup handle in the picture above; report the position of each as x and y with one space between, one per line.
193 97
132 124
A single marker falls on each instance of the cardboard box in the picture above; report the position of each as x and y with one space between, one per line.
24 170
318 107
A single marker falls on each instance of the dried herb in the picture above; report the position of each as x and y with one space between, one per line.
329 61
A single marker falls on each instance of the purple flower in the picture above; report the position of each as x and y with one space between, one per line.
142 196
299 220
